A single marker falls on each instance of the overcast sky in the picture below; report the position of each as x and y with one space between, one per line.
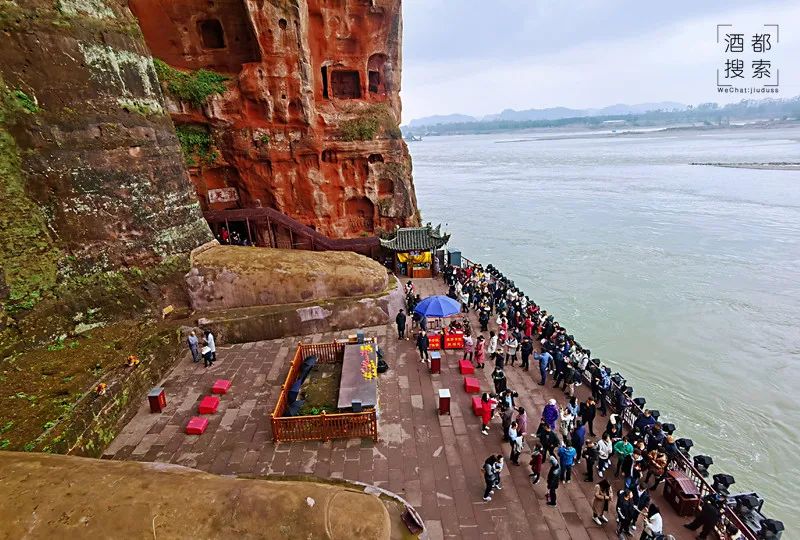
482 56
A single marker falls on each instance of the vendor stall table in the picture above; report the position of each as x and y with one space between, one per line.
434 341
454 340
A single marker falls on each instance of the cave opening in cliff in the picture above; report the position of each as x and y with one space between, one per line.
211 34
376 66
194 34
346 84
325 82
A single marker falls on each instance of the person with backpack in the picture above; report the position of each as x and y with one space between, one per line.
499 380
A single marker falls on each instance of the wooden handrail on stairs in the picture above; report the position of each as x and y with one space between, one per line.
319 242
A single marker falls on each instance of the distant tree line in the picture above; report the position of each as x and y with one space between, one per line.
710 114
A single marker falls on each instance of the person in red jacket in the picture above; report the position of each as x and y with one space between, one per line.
489 405
528 326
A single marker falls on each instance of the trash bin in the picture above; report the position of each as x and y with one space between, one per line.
436 361
444 401
157 399
681 493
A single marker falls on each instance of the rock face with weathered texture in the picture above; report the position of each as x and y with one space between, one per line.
225 277
92 177
68 497
308 124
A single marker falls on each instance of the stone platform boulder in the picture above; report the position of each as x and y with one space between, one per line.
229 277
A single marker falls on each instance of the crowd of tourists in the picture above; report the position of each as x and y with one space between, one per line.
562 439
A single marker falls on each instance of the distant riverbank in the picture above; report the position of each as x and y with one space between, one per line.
772 166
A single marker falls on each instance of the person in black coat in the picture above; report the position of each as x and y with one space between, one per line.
422 345
588 412
499 379
707 518
626 511
401 324
527 351
641 500
549 440
553 481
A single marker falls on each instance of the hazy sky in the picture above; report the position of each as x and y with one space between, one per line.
482 56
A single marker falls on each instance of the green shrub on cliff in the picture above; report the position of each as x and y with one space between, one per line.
193 87
369 123
360 129
196 145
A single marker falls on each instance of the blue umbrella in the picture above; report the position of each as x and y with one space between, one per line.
438 306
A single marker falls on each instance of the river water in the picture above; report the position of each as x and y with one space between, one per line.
684 278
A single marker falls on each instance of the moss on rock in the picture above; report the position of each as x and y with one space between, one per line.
30 259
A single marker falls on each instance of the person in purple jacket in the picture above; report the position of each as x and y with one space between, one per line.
550 414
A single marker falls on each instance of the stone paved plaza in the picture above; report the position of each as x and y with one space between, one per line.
433 461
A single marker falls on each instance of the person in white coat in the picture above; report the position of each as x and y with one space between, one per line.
653 525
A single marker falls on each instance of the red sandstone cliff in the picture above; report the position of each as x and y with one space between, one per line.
308 123
91 176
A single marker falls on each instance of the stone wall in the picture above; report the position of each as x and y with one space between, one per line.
262 323
308 123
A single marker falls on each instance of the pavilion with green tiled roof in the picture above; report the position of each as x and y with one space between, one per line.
413 248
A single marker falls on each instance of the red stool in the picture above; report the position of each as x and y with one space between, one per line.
477 406
466 367
221 386
197 425
208 405
472 385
